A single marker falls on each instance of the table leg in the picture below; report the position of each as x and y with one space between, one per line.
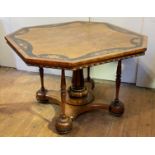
41 93
63 123
89 78
117 108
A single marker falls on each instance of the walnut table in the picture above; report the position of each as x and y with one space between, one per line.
75 46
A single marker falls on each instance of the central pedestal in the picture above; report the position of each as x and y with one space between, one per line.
79 94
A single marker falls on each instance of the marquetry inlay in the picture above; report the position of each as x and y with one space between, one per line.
76 42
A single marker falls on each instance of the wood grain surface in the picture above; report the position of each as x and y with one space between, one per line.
75 44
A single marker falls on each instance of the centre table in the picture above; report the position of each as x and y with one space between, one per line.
75 46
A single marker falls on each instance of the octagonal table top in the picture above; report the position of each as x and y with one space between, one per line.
75 45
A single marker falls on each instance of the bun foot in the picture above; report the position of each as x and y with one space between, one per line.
63 124
41 96
116 108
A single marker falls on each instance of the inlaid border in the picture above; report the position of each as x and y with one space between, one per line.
137 41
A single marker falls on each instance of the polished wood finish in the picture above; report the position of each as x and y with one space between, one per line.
78 80
63 123
63 92
118 79
22 116
76 45
89 79
78 89
56 45
41 93
88 74
117 108
78 92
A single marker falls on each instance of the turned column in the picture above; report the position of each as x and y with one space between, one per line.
89 79
88 74
118 80
78 80
63 123
41 93
117 108
78 89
